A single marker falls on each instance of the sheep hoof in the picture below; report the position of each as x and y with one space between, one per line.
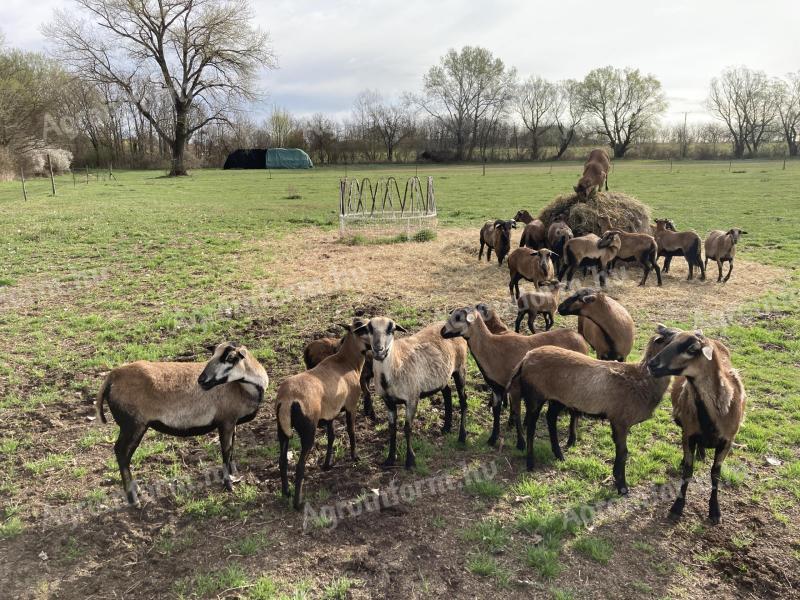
622 490
411 462
446 429
228 485
676 511
388 463
520 444
715 518
327 466
492 440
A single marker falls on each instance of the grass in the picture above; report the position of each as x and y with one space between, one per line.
489 535
598 549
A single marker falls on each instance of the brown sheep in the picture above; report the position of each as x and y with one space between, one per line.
535 233
543 302
612 322
496 235
638 247
708 402
558 234
720 247
679 243
595 173
585 251
532 265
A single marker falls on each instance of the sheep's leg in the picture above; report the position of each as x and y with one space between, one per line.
369 410
520 315
226 446
730 270
497 407
532 320
391 407
702 269
488 253
306 429
657 269
448 409
283 461
719 268
667 263
720 453
130 435
553 410
646 266
687 471
326 466
548 321
690 262
533 406
480 252
411 411
573 428
460 379
350 417
513 285
620 435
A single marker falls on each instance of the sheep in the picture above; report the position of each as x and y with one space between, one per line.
720 247
492 320
544 302
315 397
674 243
558 234
318 350
708 403
415 367
532 265
638 247
182 399
616 328
585 250
625 394
498 355
535 234
595 173
496 235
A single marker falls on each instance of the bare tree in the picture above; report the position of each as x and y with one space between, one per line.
204 53
321 138
535 101
462 90
623 104
280 126
747 102
789 110
393 122
568 113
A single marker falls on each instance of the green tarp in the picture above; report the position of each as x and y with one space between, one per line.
288 158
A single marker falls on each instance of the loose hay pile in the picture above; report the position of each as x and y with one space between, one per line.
606 210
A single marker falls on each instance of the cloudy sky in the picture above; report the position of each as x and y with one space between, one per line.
330 50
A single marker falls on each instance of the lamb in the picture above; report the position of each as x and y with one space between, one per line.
544 302
625 394
638 247
411 368
679 243
584 251
614 324
318 350
498 355
496 235
720 247
535 234
708 403
558 234
317 396
595 173
532 265
183 399
492 320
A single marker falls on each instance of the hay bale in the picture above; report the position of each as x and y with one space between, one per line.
614 209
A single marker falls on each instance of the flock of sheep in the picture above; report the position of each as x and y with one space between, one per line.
550 367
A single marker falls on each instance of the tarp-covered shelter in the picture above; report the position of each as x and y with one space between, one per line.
246 158
288 158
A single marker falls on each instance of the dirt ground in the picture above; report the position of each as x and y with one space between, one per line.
414 549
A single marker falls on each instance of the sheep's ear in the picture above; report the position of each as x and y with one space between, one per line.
698 332
344 326
742 233
400 328
513 223
361 330
211 348
708 351
588 299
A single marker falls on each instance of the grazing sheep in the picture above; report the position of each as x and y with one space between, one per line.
498 355
720 247
585 251
415 367
679 243
614 323
544 302
535 234
558 234
595 173
183 399
532 265
625 394
708 402
496 235
638 247
318 350
317 396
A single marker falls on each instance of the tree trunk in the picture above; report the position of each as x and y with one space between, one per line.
565 142
620 149
389 152
179 145
534 147
793 146
738 149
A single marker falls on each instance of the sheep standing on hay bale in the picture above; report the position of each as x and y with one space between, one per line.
598 214
595 174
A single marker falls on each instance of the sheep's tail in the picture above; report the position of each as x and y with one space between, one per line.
515 382
307 358
288 412
102 397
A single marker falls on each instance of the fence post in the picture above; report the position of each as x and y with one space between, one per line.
24 191
87 173
52 179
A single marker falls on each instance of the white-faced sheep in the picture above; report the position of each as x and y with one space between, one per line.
721 247
625 394
534 235
542 302
183 399
317 396
418 366
679 243
496 235
614 324
639 247
585 251
708 402
498 355
532 265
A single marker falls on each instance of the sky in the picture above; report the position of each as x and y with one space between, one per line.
329 51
